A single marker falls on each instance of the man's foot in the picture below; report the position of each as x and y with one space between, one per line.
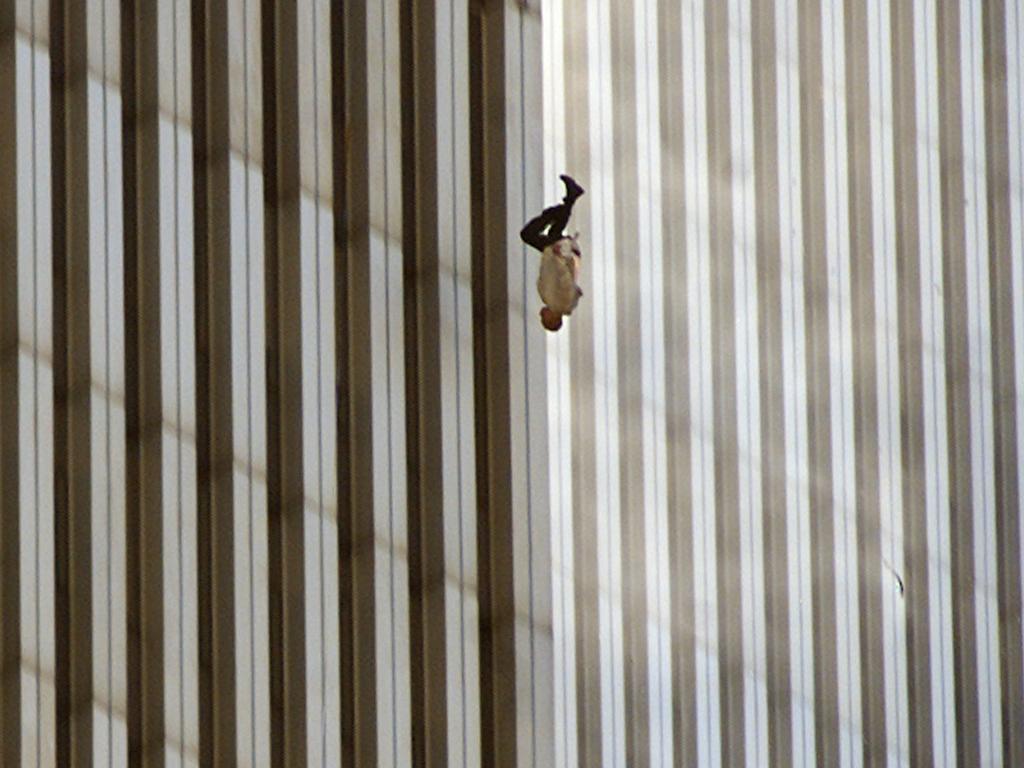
572 189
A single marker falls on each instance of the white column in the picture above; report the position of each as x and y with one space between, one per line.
391 576
178 380
560 387
794 352
933 370
841 363
701 395
319 403
35 388
602 262
107 403
249 387
890 472
979 332
655 482
748 397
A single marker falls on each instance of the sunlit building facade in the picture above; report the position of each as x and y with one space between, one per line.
290 474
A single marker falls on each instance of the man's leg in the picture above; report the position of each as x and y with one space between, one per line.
545 229
553 219
561 213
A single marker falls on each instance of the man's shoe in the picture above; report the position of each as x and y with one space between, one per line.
572 189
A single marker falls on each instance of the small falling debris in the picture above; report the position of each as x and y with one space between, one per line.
899 579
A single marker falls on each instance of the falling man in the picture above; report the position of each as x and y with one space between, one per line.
560 257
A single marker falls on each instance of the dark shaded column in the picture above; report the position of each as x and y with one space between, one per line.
865 379
819 448
424 417
908 280
143 415
723 341
211 152
1005 390
957 380
770 353
512 485
286 546
351 169
71 381
10 522
437 255
630 385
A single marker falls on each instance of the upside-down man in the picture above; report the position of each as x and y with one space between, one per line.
557 282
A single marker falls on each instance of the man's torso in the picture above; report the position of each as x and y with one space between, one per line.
556 282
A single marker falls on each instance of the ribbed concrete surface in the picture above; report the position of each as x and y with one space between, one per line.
790 532
290 474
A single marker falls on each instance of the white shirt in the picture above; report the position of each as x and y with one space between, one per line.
559 270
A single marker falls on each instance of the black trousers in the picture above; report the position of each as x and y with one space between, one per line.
547 228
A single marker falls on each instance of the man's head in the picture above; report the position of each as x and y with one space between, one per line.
550 319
